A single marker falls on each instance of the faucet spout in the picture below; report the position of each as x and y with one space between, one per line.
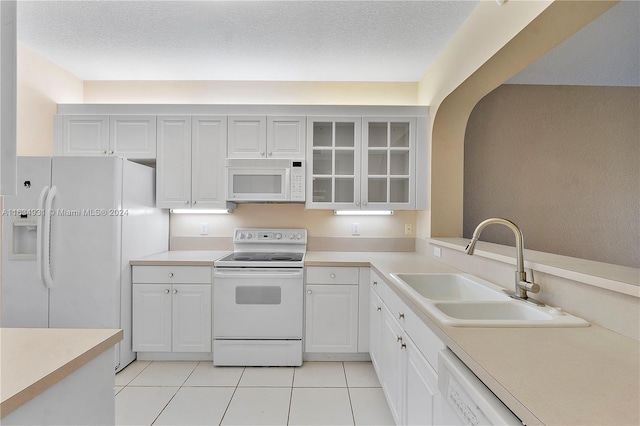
521 283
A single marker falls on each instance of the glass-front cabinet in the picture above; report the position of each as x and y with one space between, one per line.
361 163
333 160
388 163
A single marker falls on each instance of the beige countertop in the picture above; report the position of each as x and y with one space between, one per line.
181 258
552 376
34 359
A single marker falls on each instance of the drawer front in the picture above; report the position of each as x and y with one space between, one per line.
172 274
338 275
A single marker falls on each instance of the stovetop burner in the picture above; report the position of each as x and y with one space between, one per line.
263 257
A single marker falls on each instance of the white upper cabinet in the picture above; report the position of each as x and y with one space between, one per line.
388 162
266 137
190 163
333 162
128 136
132 136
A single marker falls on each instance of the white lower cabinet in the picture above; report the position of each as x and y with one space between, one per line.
331 318
408 379
171 317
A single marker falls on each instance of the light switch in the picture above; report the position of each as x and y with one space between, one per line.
204 228
355 229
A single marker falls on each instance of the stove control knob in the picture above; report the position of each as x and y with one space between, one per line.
291 236
249 236
241 236
278 236
298 236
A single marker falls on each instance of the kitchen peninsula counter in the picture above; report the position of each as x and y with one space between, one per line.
546 375
35 361
181 258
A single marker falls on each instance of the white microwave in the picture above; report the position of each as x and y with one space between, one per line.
265 180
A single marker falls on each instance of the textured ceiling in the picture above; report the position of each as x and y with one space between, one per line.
299 41
241 40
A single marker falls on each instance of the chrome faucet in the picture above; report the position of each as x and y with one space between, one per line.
522 285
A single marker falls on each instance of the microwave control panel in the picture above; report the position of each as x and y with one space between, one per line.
297 180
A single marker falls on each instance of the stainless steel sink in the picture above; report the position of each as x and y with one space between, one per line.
463 300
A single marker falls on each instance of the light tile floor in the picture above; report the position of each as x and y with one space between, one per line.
197 393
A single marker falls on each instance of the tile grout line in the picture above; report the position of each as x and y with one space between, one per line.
174 395
232 395
293 380
353 416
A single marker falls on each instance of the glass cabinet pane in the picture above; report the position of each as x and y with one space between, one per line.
345 135
399 163
377 135
322 134
345 164
344 190
399 190
322 190
322 162
377 162
377 190
399 135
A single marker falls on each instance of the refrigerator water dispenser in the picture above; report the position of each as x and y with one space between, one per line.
23 238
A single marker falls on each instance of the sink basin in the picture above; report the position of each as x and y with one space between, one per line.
451 287
509 313
463 300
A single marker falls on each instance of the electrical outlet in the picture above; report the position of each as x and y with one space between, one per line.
355 229
437 252
408 229
204 228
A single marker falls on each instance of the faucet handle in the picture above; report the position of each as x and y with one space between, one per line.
529 286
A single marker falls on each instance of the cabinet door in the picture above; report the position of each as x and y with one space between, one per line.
286 137
152 318
191 317
209 143
247 137
333 162
421 387
85 135
331 318
173 166
392 363
388 162
375 330
133 136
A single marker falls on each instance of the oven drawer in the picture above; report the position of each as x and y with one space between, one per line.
332 275
172 274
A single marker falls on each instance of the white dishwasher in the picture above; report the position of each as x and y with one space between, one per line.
465 400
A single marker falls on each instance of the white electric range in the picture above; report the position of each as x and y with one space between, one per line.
258 299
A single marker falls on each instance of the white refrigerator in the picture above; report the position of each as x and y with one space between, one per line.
67 239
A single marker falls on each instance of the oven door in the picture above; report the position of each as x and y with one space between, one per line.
257 303
258 184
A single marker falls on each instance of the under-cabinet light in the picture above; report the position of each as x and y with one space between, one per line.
363 212
203 211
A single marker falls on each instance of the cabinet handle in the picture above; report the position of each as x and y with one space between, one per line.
104 151
111 152
270 153
357 203
375 283
400 315
332 275
261 152
170 274
403 346
364 203
378 308
398 338
166 291
194 203
175 291
308 291
186 202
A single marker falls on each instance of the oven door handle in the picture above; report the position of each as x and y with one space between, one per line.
253 273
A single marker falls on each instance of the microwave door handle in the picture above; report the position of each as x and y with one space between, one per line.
39 234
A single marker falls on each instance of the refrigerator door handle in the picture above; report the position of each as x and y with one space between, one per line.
39 232
47 238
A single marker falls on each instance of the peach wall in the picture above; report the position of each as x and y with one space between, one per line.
251 92
475 62
42 85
